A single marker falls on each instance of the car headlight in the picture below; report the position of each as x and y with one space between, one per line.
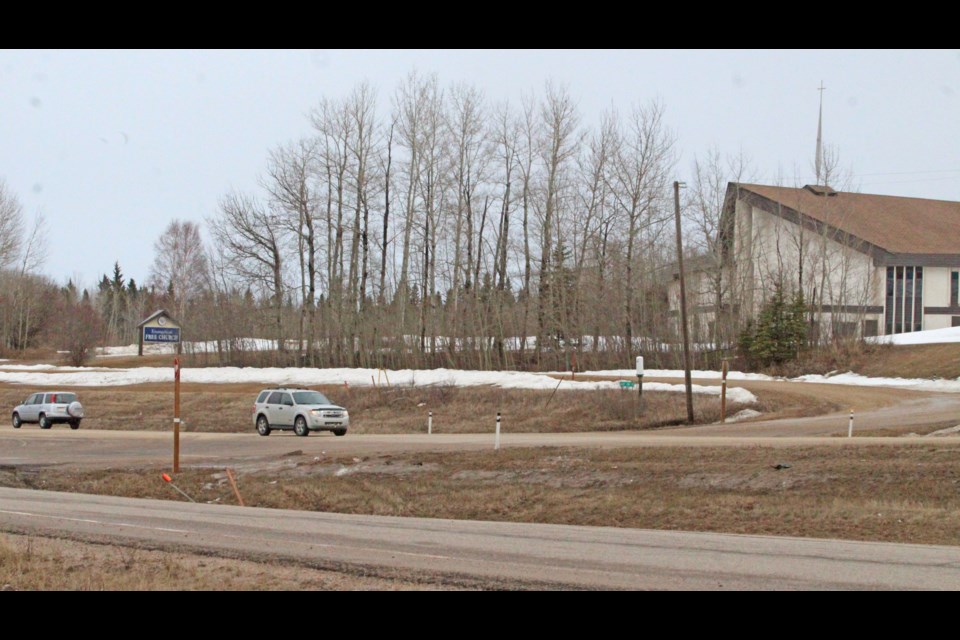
346 414
316 412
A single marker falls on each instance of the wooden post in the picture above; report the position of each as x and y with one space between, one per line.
233 483
683 307
176 415
723 393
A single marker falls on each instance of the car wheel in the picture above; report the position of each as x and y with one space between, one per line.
16 421
339 432
300 427
263 427
74 424
45 422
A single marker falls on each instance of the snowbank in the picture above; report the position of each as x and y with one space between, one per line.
855 379
91 377
931 336
631 374
849 378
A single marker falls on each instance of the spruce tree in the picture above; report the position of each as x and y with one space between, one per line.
779 332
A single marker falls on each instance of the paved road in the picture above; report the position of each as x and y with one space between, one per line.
491 553
110 449
876 409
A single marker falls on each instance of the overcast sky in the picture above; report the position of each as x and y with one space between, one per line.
111 145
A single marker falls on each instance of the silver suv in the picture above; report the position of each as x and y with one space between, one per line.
302 410
49 408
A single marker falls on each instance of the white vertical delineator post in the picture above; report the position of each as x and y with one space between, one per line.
640 376
429 422
496 439
850 426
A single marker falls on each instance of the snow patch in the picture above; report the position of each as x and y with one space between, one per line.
743 415
949 431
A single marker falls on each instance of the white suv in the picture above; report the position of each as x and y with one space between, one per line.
302 410
49 408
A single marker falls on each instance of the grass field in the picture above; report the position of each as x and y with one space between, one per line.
31 563
894 494
228 408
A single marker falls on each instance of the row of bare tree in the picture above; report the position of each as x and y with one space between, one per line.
431 228
450 231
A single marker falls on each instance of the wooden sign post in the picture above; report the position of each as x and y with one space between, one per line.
176 415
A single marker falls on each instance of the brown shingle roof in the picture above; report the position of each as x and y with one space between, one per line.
893 223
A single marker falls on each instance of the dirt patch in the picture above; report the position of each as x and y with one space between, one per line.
758 480
577 480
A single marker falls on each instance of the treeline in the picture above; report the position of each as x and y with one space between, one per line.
432 227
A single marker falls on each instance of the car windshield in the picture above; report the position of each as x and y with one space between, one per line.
62 397
310 397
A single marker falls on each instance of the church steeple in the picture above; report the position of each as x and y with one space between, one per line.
819 158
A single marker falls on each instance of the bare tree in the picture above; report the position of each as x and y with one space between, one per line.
77 329
11 226
252 240
712 236
414 98
290 185
180 264
559 143
639 174
506 134
527 152
361 107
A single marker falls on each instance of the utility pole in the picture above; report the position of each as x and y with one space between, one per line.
683 307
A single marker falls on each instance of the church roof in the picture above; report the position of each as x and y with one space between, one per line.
894 224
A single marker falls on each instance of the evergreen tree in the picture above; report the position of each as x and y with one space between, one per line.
117 281
779 332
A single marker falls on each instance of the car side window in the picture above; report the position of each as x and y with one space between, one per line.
263 397
287 400
274 398
29 400
37 398
50 398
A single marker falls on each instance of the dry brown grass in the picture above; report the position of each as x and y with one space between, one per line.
128 362
30 563
887 361
913 361
901 494
228 408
